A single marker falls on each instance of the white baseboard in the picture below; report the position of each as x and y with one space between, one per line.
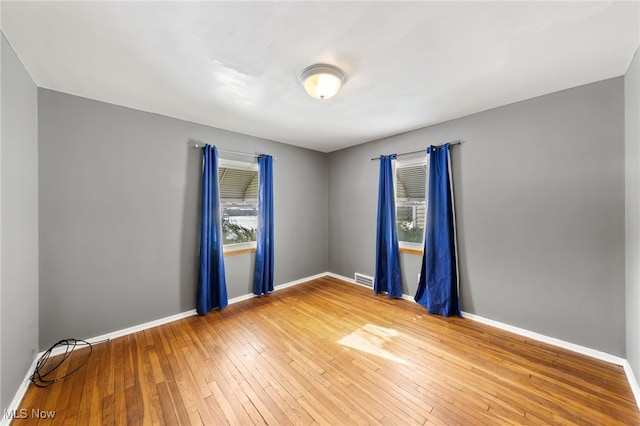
176 317
409 298
603 356
300 281
342 277
17 399
635 388
241 298
128 330
593 353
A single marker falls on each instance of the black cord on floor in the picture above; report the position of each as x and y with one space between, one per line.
45 378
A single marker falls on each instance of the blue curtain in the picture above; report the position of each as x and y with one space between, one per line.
388 277
212 286
438 285
263 277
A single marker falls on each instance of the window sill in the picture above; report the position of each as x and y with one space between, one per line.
234 252
242 248
417 252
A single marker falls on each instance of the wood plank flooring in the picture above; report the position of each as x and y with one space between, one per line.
329 352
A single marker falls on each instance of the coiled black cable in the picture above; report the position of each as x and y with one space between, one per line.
43 378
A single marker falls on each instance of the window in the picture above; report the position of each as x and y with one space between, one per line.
238 203
411 196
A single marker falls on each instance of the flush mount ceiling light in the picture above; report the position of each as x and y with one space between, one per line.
322 81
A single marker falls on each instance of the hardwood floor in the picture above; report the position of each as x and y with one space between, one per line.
329 352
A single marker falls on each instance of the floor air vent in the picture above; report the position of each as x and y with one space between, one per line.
364 280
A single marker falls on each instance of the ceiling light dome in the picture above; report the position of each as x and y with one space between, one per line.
322 81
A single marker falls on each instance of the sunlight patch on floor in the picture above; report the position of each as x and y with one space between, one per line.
372 339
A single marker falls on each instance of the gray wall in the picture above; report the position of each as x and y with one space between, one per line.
119 215
540 212
19 223
632 218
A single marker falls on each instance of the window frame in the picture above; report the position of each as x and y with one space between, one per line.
238 248
405 246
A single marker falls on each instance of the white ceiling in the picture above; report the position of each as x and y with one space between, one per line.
234 65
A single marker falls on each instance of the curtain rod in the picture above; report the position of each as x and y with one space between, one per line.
456 142
233 152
